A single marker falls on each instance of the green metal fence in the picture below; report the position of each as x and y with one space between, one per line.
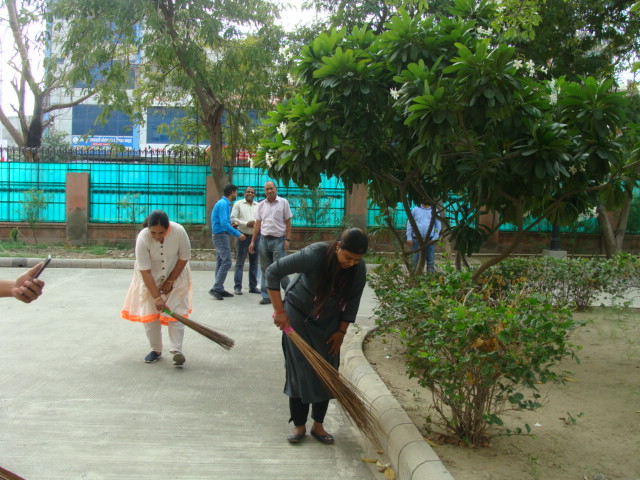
126 185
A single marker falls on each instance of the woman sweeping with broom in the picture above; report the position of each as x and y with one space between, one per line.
320 304
161 280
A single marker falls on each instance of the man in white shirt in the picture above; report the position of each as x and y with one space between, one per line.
273 225
243 217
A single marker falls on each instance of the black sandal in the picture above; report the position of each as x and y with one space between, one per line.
326 439
296 437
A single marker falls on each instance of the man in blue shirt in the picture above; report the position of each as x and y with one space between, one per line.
222 229
422 216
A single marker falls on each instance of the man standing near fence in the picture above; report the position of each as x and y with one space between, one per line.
429 231
243 214
222 231
273 224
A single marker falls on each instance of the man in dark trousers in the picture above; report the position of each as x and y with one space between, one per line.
243 214
222 231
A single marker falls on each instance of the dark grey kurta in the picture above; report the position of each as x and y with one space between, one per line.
301 380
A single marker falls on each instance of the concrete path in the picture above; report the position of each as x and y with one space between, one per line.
78 402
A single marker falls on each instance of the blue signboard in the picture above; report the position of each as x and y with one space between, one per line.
101 141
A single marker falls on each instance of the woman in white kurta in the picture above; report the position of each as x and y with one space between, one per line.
161 279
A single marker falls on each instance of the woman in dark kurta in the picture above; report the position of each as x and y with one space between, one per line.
319 304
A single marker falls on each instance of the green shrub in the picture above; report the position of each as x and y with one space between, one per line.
479 351
32 207
577 283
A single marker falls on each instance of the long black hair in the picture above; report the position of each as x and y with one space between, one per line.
157 217
333 280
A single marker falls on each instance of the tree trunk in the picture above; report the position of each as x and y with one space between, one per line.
613 235
608 238
216 160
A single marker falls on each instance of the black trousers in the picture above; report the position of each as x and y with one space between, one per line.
300 411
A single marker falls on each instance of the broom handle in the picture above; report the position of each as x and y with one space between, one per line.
7 475
288 330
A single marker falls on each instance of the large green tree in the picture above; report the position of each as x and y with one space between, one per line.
584 37
213 55
439 109
33 86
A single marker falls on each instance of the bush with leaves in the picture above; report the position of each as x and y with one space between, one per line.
479 352
576 282
32 207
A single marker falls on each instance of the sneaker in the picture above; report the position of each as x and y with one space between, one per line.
254 290
265 301
237 291
152 357
216 295
179 359
224 293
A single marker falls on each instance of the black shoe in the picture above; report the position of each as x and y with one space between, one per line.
224 293
254 290
216 295
237 291
265 301
296 437
326 439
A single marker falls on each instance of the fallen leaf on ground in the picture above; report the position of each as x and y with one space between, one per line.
431 442
389 474
369 460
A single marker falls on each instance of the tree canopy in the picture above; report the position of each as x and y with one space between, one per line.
208 54
438 108
26 22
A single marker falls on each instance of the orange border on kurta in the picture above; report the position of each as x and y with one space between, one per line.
149 318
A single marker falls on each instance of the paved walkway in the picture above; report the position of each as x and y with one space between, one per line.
78 402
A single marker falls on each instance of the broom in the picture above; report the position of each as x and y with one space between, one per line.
7 475
222 340
347 394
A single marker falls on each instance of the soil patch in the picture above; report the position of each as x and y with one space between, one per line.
588 429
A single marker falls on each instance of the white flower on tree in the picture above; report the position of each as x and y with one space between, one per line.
282 129
531 67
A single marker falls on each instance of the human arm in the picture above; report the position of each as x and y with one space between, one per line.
287 234
437 227
254 237
167 286
350 311
306 262
25 288
280 318
235 214
154 291
183 253
242 215
224 220
409 232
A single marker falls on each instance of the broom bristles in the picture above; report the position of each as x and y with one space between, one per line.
7 475
347 394
222 340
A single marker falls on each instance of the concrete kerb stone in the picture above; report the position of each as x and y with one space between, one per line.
411 457
125 264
